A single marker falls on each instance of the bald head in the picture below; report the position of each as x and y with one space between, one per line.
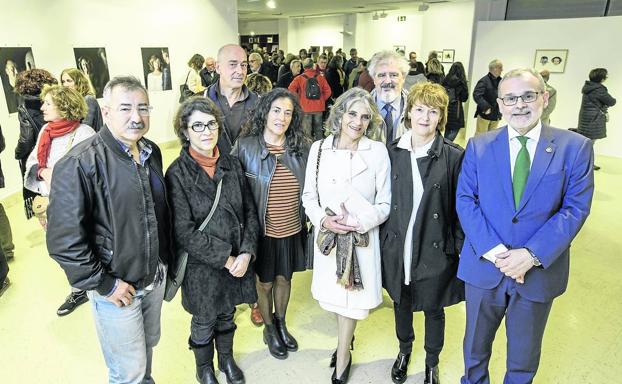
232 65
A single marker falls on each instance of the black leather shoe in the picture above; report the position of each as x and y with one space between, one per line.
281 329
431 375
228 366
399 371
275 345
333 357
343 379
73 301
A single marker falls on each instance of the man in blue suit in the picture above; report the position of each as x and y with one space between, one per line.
523 194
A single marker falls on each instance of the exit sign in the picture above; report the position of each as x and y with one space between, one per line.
401 18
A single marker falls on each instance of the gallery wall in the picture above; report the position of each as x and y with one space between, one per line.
54 28
590 43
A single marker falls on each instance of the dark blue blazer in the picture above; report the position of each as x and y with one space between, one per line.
554 206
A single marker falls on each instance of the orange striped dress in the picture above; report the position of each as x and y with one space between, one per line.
283 211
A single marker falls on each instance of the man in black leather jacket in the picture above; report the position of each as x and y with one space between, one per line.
485 96
109 229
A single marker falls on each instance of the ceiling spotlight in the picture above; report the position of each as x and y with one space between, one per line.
424 7
383 15
271 4
375 16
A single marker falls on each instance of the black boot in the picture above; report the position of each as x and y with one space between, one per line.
399 371
281 329
226 363
431 375
204 357
274 342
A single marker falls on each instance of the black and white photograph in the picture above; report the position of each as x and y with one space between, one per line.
448 55
156 68
13 60
553 60
94 64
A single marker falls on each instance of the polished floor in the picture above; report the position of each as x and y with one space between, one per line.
583 341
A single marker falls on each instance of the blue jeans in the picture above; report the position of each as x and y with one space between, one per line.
128 334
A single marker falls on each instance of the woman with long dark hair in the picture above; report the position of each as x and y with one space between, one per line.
219 273
455 84
273 151
336 76
29 85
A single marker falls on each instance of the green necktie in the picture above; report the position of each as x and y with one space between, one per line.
521 170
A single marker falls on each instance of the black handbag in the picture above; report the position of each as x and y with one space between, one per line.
173 281
184 90
310 245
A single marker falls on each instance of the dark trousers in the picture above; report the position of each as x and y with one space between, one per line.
204 328
525 321
312 125
434 328
4 267
6 236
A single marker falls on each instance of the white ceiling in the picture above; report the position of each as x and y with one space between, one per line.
257 9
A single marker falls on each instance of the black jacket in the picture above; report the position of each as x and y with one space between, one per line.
594 104
485 95
455 110
334 80
234 116
30 123
102 221
259 166
437 235
2 146
208 287
208 78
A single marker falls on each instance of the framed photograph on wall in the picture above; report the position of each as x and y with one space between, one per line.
553 60
400 49
447 56
94 64
156 68
12 62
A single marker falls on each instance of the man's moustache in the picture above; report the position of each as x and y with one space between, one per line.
137 126
388 86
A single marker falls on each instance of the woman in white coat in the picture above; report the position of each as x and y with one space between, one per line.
353 181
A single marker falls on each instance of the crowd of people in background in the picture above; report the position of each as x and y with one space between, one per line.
313 161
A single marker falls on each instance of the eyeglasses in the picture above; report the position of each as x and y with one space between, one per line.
199 127
527 97
143 110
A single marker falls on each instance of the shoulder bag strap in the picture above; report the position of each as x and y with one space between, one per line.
317 171
211 212
188 75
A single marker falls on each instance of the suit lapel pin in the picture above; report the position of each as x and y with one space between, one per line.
549 149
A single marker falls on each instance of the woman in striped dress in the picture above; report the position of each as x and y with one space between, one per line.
273 152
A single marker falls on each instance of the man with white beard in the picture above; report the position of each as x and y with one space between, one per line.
389 69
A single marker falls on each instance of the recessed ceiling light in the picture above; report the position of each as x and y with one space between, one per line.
271 4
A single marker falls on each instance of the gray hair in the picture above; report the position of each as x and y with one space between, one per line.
496 63
256 56
383 56
129 83
520 72
344 102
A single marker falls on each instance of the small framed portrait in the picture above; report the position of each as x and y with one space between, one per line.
14 60
401 49
156 68
553 60
447 56
94 64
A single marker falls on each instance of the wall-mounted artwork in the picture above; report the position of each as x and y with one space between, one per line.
94 64
401 49
553 60
327 49
447 56
12 62
156 68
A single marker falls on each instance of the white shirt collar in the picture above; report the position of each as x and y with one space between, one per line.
406 143
533 134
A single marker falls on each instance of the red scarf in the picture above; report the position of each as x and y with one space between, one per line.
52 130
207 163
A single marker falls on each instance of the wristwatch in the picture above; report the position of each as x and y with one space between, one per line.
534 259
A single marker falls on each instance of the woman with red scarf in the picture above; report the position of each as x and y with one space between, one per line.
62 108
